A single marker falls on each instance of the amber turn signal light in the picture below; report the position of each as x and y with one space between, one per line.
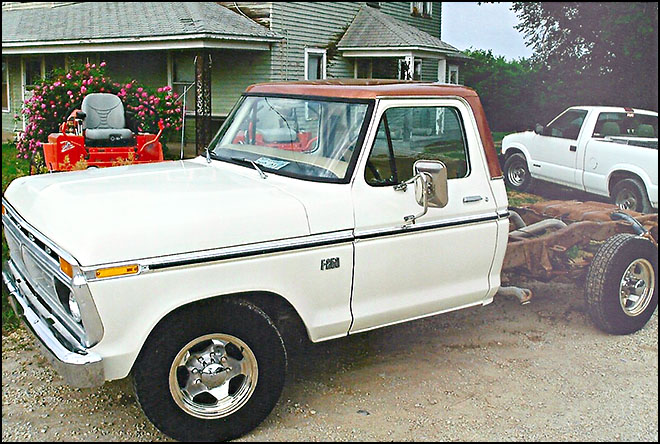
117 271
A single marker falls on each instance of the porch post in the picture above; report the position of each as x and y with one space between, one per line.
442 71
203 103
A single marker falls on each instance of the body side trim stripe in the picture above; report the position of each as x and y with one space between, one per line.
302 243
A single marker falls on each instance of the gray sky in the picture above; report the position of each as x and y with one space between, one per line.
485 26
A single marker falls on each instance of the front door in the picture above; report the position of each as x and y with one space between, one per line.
442 261
555 154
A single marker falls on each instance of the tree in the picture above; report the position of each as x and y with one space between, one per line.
506 88
594 53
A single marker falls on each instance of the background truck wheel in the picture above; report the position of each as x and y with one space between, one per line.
516 173
211 371
630 194
622 284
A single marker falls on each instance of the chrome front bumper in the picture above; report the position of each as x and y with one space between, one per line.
79 368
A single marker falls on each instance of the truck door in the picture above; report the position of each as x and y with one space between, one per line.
443 260
555 155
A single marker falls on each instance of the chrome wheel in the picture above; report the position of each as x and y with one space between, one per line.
517 174
626 200
636 287
213 376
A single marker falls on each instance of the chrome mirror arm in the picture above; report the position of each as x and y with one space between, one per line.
427 184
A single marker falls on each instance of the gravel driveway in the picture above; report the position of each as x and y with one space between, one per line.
501 372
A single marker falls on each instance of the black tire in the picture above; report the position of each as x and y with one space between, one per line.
235 317
630 194
516 173
605 289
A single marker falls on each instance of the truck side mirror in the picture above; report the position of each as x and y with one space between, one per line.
430 179
435 192
538 129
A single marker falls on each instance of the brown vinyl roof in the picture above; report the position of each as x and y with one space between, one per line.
361 88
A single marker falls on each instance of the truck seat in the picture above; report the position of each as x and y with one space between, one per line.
645 130
105 118
611 129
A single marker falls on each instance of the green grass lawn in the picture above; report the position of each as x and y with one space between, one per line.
11 169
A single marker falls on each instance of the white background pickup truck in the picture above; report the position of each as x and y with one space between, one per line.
331 207
607 151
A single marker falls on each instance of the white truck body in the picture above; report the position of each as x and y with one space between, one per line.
242 234
590 160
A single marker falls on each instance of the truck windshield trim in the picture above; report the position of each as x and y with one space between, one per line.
310 138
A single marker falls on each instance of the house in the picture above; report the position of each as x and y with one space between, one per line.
241 43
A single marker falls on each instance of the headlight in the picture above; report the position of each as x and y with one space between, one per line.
74 309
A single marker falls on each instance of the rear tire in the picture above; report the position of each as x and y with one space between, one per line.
622 284
516 173
211 371
630 194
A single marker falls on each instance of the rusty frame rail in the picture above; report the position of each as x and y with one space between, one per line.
587 223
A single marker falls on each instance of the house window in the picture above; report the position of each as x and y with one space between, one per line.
421 9
315 64
181 76
5 85
404 73
453 74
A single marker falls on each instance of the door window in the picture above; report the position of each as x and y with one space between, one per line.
406 135
567 125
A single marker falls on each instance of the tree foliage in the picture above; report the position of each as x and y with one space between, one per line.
506 88
594 53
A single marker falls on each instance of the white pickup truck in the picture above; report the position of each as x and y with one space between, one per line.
336 207
607 151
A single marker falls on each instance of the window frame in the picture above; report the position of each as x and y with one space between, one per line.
426 9
171 82
324 62
461 123
5 62
547 130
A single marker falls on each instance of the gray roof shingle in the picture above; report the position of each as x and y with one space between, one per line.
118 20
373 29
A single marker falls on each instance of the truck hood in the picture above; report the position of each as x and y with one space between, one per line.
142 211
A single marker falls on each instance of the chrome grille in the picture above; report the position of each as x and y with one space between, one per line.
35 258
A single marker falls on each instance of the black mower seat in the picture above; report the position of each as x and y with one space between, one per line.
105 118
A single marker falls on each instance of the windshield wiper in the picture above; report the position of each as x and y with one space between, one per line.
253 163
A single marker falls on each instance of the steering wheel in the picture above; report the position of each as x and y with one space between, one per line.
375 172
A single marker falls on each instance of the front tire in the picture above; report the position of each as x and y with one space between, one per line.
622 284
516 173
211 371
630 194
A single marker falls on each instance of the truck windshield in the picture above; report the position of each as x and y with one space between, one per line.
298 137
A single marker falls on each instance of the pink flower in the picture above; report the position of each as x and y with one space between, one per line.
128 85
144 94
68 75
83 90
102 64
140 90
43 106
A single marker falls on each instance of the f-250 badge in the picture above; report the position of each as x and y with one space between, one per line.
329 264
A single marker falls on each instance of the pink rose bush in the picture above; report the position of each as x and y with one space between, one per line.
55 98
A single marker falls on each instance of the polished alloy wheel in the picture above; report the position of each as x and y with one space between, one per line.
626 200
213 376
517 174
636 287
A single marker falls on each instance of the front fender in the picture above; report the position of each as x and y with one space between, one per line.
130 307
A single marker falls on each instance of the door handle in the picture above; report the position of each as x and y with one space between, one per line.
469 199
573 148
